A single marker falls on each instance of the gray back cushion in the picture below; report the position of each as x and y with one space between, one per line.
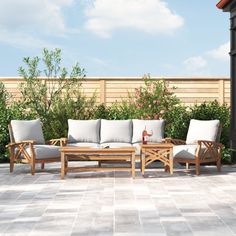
202 130
83 131
156 126
116 131
27 130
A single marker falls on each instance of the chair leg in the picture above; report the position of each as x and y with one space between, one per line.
32 167
218 164
12 159
197 168
167 168
187 165
66 166
42 165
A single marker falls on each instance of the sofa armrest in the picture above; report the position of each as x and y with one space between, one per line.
175 141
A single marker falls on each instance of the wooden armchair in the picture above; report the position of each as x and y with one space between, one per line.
27 144
201 146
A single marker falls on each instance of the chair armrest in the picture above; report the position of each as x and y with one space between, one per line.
207 143
61 141
54 141
175 141
208 150
21 143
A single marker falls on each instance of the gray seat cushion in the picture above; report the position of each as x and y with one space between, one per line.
185 151
83 144
189 151
27 130
45 151
116 145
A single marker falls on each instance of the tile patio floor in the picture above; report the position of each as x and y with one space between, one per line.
112 203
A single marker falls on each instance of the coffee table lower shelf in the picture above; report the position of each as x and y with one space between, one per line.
97 154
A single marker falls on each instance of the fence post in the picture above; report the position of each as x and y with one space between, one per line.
103 91
221 91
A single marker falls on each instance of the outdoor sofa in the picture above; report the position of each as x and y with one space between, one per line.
112 133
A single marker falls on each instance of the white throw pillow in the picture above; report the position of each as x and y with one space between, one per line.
156 126
83 131
27 130
116 131
202 130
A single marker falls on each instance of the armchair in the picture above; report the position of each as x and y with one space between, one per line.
27 144
201 145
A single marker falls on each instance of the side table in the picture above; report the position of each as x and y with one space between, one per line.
157 151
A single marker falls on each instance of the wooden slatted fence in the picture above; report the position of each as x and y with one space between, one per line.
108 90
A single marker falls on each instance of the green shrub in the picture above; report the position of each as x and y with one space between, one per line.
177 122
8 112
121 111
81 108
153 100
101 111
4 119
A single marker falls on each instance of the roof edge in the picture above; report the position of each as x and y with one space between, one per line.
221 4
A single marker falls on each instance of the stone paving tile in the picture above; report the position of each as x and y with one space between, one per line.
114 204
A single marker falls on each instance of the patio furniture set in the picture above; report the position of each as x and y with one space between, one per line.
114 142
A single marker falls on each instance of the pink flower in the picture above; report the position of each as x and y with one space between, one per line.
162 112
156 117
137 93
154 101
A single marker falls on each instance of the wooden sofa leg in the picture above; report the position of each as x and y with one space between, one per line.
42 166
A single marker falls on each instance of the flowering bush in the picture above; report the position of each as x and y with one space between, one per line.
153 100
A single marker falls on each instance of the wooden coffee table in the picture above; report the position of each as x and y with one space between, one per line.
157 151
96 154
